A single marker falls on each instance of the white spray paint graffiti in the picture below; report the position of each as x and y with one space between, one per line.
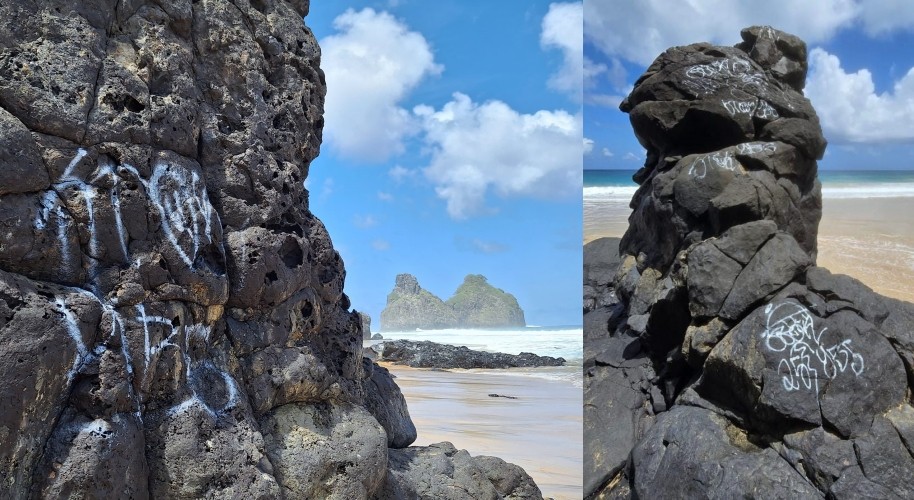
719 159
196 330
184 211
754 148
759 108
790 327
706 78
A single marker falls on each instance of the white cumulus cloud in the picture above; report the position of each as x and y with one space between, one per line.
588 146
563 28
371 65
481 148
849 107
640 31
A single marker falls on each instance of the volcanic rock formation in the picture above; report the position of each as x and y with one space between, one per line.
720 361
172 316
475 304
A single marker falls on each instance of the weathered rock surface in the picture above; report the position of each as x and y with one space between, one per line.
441 471
172 316
365 319
425 354
720 362
475 304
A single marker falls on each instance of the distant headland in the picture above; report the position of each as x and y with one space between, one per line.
475 304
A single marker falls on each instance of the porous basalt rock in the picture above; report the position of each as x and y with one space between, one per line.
719 360
172 316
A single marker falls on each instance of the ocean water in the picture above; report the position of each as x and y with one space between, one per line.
556 341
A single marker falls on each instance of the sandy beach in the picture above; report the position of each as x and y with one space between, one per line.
541 430
871 239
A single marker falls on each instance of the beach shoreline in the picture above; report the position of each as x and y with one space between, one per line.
869 239
541 430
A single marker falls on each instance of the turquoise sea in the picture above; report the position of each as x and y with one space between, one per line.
607 193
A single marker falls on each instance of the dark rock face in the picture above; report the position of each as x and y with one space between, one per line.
441 471
425 354
475 304
172 316
720 361
365 320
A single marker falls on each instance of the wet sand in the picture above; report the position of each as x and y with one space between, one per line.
870 239
541 430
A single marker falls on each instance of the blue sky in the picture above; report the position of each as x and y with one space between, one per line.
861 78
452 145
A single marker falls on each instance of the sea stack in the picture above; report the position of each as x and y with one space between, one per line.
478 304
720 361
409 306
172 315
475 304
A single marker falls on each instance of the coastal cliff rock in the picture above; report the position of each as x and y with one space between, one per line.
365 320
478 304
410 307
475 304
720 361
172 316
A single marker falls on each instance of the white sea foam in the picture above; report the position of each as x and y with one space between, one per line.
565 342
875 190
623 194
619 193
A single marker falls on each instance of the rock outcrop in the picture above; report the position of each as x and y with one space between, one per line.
172 316
720 361
409 306
478 304
425 354
365 320
475 304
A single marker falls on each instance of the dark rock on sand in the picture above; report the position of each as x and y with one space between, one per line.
426 354
478 304
440 471
172 315
386 403
720 361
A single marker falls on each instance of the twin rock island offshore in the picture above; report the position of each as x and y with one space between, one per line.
720 361
172 316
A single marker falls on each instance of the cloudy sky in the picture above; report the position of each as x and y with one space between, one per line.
861 78
452 145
